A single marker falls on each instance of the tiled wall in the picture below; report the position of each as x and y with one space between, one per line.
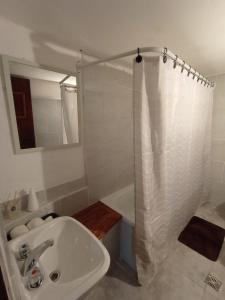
108 129
47 116
47 112
65 200
218 141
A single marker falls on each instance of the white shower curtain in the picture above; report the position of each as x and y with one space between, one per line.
69 115
172 120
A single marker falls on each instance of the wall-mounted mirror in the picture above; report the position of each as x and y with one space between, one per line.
43 106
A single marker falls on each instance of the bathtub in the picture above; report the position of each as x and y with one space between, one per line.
122 201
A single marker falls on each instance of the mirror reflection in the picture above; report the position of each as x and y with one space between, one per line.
46 106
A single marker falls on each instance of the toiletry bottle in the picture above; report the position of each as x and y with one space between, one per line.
33 203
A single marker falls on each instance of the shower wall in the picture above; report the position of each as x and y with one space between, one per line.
108 129
47 112
218 142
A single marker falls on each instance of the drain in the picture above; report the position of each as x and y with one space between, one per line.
54 276
214 282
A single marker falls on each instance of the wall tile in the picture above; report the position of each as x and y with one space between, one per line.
218 144
218 192
108 130
47 121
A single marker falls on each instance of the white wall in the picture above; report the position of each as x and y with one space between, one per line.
39 170
218 141
108 130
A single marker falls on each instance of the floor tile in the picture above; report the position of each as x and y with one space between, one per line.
189 263
170 286
218 270
181 277
117 284
209 296
175 286
210 213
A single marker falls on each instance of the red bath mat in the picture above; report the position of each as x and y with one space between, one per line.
204 237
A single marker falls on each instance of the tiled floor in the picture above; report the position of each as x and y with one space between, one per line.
182 277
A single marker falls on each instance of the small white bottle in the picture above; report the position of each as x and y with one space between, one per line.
33 203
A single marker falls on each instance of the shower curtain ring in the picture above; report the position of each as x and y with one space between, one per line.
175 62
198 78
165 55
189 71
194 75
139 57
182 68
205 82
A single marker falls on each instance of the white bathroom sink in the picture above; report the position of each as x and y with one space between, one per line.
77 254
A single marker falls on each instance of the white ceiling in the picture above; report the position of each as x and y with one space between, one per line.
193 29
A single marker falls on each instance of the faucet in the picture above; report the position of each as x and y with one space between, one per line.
34 255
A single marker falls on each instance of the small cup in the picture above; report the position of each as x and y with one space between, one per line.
35 223
18 230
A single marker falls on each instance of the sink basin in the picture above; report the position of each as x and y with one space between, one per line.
77 255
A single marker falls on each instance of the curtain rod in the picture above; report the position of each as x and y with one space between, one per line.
161 51
64 79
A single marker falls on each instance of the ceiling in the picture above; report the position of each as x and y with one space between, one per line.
193 29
